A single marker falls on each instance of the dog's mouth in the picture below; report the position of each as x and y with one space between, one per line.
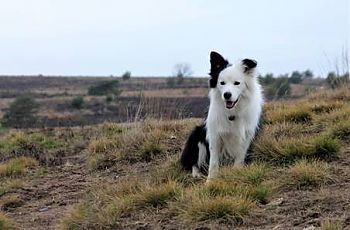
231 104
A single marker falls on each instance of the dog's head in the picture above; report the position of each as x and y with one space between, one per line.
230 80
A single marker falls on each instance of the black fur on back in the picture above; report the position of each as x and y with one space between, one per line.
190 153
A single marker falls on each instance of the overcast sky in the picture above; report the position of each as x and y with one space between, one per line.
148 37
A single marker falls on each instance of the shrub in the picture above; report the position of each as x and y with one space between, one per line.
109 98
77 102
105 88
22 113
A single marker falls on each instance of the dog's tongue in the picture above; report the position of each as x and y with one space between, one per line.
229 104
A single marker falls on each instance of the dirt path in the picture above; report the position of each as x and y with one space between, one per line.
46 198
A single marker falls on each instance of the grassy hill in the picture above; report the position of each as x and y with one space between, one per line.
126 176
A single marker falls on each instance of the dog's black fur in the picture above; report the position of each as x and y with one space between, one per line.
189 156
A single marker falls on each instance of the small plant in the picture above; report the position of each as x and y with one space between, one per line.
150 150
77 102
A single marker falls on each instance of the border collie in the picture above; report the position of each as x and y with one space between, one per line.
234 112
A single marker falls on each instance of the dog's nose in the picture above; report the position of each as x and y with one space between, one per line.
227 95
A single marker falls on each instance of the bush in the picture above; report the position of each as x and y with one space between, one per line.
109 98
78 102
126 75
105 88
22 113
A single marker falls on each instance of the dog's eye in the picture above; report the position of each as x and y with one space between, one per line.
222 83
236 83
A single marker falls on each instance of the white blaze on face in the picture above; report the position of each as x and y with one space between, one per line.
231 84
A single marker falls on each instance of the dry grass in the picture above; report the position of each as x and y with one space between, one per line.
223 209
10 185
138 142
6 223
331 224
16 166
305 174
297 140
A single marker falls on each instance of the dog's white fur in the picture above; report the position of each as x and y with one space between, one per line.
230 139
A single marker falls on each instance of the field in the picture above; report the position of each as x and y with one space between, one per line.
126 175
138 98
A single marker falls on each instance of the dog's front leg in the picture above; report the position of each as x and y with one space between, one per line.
214 157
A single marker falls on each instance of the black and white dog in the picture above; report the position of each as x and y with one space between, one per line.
234 112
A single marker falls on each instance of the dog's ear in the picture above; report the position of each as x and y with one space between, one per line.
217 64
249 65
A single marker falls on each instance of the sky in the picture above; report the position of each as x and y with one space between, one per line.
149 37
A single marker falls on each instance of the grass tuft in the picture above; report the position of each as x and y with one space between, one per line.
306 174
331 224
16 166
218 209
10 185
6 223
159 195
342 131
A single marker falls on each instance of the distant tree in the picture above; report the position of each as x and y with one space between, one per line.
267 79
126 75
77 102
22 113
105 88
307 74
296 77
282 87
279 88
335 81
182 70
